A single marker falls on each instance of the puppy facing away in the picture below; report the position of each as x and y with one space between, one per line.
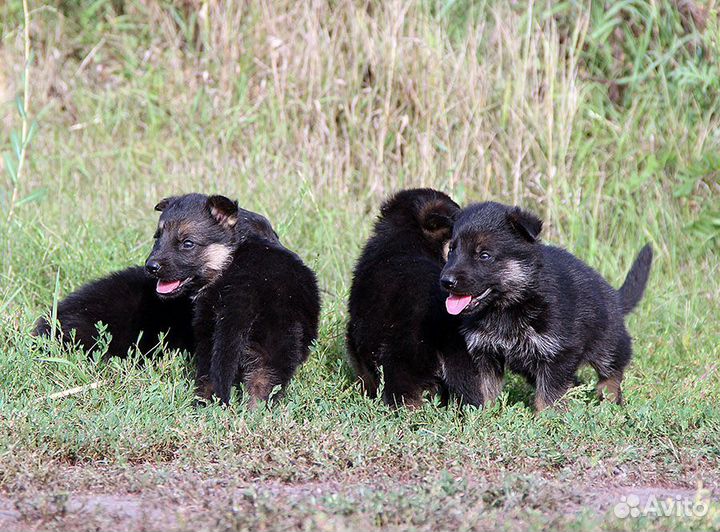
536 308
397 317
126 303
256 305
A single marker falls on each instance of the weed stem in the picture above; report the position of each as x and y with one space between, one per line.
23 114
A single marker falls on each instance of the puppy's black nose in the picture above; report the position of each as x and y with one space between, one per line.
448 282
152 266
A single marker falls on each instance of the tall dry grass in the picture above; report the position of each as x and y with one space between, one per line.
370 95
604 120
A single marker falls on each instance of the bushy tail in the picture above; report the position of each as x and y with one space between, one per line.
632 289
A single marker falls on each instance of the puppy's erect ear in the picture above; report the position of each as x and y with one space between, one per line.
525 223
162 204
224 210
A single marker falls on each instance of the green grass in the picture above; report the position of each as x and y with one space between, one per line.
312 117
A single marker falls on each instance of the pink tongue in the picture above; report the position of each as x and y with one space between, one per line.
167 287
456 304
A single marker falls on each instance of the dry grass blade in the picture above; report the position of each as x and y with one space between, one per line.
71 391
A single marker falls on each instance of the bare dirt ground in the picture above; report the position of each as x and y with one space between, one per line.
141 498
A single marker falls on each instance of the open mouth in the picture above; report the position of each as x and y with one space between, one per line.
457 303
168 288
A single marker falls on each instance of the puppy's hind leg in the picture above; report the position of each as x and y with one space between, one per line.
403 386
611 369
368 377
609 388
366 374
260 381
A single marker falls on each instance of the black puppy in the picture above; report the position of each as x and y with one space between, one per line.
256 303
535 307
397 318
126 303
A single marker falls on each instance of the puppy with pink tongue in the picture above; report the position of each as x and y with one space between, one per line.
255 304
455 304
167 287
536 309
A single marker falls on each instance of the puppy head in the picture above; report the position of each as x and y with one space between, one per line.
194 241
251 224
428 211
493 257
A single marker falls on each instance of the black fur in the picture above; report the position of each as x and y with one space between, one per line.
535 308
212 226
126 303
256 304
397 319
634 286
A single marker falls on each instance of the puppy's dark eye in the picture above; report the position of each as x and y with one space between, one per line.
188 244
484 256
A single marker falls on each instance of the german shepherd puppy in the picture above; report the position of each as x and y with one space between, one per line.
397 318
256 305
127 304
536 308
134 314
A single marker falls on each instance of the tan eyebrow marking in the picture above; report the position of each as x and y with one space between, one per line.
186 229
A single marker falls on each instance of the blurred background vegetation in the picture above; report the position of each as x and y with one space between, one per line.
603 116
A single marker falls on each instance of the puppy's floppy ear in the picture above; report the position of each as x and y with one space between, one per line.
224 210
525 223
436 221
438 217
163 203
